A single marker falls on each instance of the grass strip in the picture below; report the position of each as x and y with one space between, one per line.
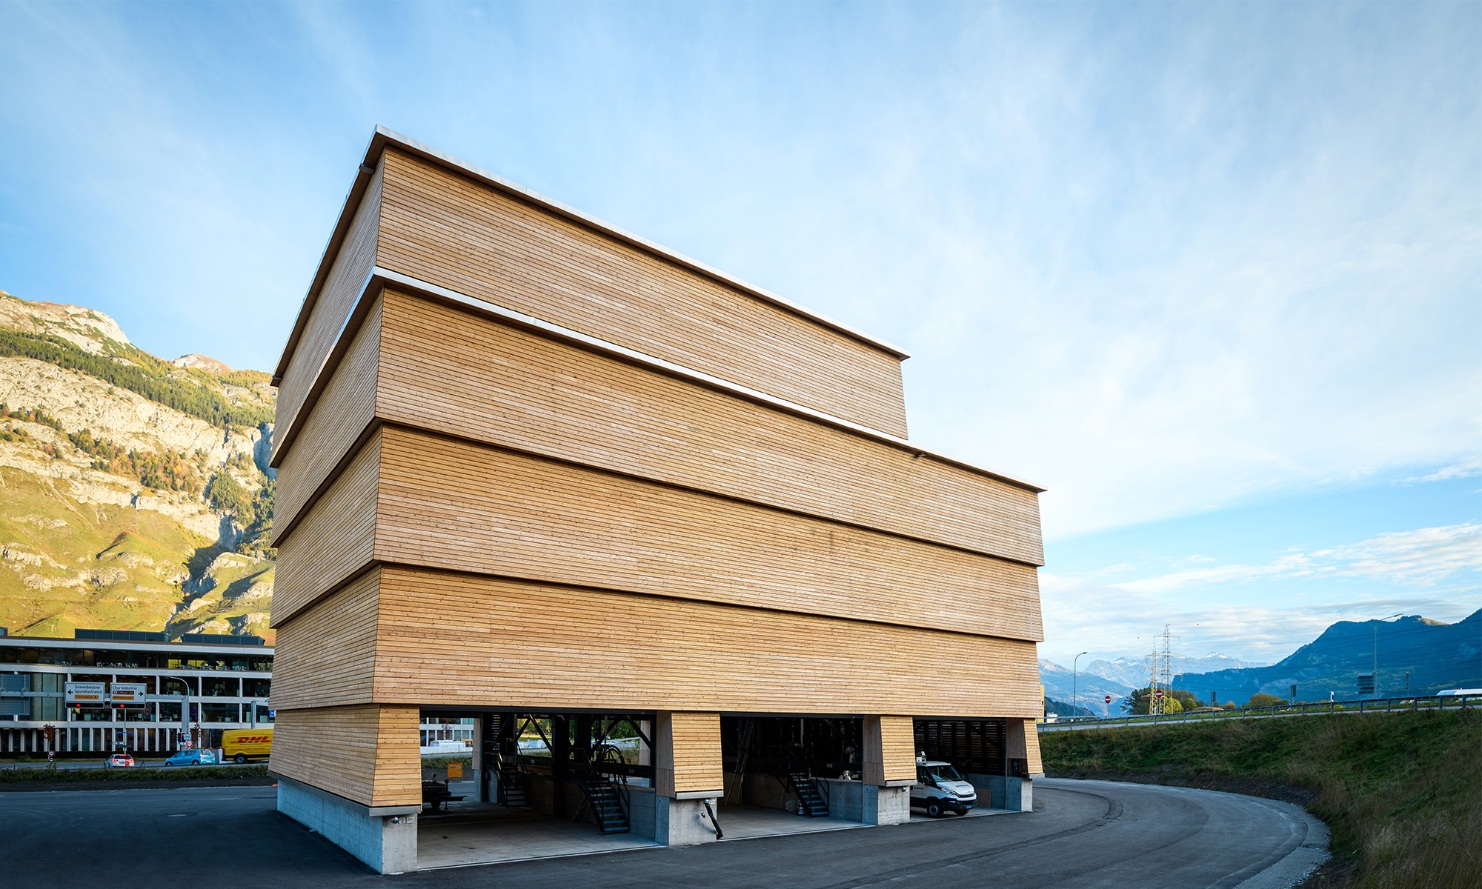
134 776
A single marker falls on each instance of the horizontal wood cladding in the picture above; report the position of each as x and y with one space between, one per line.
689 757
353 262
451 231
325 655
333 541
450 639
898 743
451 504
1031 748
366 754
889 750
340 414
450 371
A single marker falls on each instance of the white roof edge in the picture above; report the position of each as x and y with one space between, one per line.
427 151
596 344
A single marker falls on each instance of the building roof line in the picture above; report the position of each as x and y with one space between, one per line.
383 137
380 278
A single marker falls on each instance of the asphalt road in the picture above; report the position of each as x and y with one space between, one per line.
1082 834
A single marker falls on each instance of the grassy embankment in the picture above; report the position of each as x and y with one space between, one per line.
1401 792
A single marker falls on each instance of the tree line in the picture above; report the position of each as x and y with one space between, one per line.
146 376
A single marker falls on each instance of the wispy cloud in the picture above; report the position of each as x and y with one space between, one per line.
1263 611
1156 264
1468 468
1422 557
1113 622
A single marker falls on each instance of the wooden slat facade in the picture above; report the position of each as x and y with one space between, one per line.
450 371
689 759
455 505
1024 744
459 639
341 413
366 754
447 229
898 741
357 256
889 750
478 511
335 539
331 654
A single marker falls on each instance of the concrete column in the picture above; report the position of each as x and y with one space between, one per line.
688 773
1023 750
478 754
889 769
354 775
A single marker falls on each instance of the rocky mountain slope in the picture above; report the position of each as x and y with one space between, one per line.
134 492
1414 655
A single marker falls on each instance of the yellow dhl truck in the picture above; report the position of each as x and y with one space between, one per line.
245 745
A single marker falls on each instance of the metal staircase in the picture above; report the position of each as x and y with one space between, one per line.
606 805
512 788
810 802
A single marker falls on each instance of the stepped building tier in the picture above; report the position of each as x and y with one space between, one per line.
658 531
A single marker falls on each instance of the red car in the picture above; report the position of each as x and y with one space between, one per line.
119 761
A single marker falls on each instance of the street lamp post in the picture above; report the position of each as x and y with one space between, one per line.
1075 698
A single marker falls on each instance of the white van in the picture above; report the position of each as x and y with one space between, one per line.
941 788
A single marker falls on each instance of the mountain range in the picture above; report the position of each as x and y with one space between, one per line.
134 491
1413 655
135 495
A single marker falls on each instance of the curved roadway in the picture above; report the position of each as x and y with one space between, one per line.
1081 834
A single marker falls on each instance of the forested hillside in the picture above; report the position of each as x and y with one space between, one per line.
134 491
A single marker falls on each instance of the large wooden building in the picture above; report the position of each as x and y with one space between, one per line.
540 471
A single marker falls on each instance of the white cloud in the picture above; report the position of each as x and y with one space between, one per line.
1262 612
1111 622
1422 557
1468 468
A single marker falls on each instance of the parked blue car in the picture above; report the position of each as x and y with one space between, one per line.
192 758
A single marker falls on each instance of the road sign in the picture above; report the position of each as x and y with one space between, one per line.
1108 699
128 694
1158 693
85 693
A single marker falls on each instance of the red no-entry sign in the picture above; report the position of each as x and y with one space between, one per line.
1108 699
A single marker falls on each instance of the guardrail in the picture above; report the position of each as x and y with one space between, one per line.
1381 705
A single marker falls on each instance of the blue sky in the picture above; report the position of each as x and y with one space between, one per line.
1209 273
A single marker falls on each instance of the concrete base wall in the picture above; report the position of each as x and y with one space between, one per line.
682 822
846 799
642 811
890 805
998 792
387 846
